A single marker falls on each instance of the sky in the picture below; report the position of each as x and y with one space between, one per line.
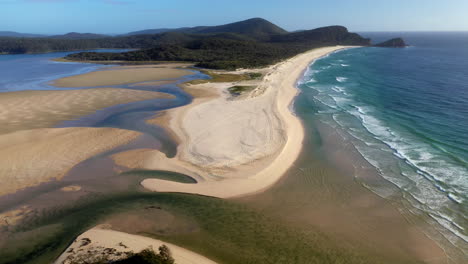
121 16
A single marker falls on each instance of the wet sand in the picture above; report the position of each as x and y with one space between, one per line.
41 109
31 157
325 194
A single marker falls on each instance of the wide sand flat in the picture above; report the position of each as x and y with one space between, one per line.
101 239
31 157
122 75
40 109
224 141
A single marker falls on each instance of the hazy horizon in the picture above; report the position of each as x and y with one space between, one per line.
121 33
121 16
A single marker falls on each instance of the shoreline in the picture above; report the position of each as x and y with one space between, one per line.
344 157
377 182
279 87
265 166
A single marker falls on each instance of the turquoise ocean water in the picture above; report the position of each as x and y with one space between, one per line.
406 112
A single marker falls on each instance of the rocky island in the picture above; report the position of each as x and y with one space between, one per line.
392 43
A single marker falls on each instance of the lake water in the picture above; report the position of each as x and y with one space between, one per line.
34 71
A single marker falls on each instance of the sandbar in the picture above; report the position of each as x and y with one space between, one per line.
98 240
31 157
122 75
40 109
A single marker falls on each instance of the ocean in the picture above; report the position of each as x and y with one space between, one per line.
406 111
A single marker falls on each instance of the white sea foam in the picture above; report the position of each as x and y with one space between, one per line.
326 100
339 89
429 168
432 182
456 198
422 186
449 224
341 79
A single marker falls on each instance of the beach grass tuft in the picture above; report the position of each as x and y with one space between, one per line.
239 89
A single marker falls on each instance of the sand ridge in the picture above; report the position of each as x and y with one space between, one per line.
223 140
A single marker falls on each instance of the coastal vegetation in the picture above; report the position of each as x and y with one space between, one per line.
239 89
226 77
101 255
392 43
231 51
148 256
245 44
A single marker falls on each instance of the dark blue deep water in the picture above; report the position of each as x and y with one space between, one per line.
406 111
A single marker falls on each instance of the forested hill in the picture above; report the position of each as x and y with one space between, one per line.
75 35
249 43
19 35
231 50
257 28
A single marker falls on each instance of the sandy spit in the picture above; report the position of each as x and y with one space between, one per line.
31 157
40 109
239 147
122 75
99 240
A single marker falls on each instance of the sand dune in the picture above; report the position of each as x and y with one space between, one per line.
40 109
240 147
101 239
123 75
31 157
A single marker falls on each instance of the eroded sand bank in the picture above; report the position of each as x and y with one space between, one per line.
100 240
237 147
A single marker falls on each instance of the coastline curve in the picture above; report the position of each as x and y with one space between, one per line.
282 81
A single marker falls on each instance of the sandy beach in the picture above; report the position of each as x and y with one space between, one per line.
124 75
100 239
235 147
